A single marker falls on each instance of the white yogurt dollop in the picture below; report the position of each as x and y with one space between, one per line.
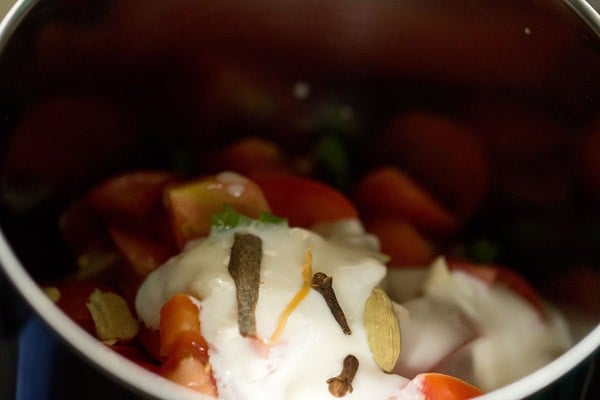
485 334
450 321
312 346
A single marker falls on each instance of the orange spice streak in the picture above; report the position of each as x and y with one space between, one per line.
300 295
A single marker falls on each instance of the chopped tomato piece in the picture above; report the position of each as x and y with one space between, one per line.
390 192
123 216
249 155
180 325
189 367
510 136
303 201
133 200
192 204
401 241
505 276
436 386
443 154
143 252
182 344
133 194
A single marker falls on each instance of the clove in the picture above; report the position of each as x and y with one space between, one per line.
342 384
244 268
323 284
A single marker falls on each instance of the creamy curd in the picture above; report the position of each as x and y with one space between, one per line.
486 335
453 323
312 347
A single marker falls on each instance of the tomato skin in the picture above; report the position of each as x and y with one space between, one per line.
191 205
390 192
445 387
249 155
132 195
180 325
401 241
304 202
124 218
441 153
527 149
188 367
183 347
142 252
133 202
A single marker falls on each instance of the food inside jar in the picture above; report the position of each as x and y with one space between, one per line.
270 285
462 142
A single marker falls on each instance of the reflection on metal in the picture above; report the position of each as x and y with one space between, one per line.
13 18
588 11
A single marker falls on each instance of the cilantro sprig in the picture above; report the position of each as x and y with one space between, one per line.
229 219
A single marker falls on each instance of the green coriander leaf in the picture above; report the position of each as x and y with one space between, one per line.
268 218
230 218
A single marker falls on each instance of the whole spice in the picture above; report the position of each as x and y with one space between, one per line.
323 284
111 316
244 268
342 384
383 329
